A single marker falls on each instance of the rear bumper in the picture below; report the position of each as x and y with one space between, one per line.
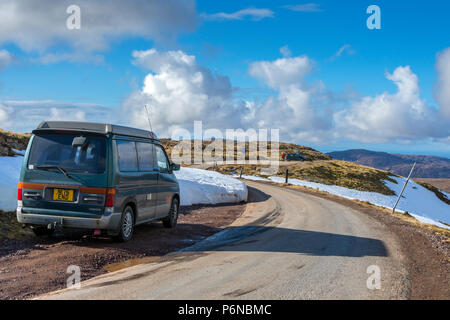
108 221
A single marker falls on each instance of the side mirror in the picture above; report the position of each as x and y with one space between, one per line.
174 167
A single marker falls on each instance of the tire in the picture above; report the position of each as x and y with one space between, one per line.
126 228
42 231
171 220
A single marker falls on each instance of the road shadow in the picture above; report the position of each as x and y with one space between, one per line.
314 243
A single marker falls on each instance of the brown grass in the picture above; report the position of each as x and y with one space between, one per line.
331 172
10 228
440 183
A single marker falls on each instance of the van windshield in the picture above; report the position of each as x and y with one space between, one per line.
56 150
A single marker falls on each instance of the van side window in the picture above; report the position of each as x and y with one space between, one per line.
127 155
146 155
161 160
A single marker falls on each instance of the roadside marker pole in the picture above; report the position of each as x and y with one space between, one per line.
287 175
406 182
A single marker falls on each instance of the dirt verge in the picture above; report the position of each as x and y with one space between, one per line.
36 266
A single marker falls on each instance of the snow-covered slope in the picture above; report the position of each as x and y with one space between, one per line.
9 177
208 187
197 186
420 202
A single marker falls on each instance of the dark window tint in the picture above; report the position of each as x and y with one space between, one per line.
161 159
57 150
146 155
127 155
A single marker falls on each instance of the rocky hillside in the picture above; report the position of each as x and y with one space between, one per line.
10 141
427 166
309 153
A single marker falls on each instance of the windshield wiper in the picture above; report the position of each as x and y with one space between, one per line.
50 166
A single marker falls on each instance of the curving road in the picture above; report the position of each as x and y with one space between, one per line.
287 245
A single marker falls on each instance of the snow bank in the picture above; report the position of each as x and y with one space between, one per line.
9 177
197 186
208 187
420 202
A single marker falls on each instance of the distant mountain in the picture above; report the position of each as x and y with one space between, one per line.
427 166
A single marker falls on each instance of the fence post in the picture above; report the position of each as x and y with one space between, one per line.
406 182
287 175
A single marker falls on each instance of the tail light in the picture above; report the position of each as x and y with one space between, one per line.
19 191
110 197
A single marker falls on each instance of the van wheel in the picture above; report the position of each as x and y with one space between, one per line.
171 220
42 231
126 225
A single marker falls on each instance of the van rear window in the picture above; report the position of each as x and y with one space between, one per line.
57 150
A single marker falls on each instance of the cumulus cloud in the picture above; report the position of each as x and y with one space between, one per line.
299 109
255 14
5 58
281 72
178 91
386 117
443 85
37 25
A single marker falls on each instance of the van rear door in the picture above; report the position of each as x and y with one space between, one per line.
65 179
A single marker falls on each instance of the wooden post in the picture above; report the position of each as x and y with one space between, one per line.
406 182
240 176
287 175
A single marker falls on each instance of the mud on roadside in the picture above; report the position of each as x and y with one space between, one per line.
33 266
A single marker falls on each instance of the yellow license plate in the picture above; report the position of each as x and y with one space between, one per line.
62 195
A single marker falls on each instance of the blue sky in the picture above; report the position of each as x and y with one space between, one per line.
107 77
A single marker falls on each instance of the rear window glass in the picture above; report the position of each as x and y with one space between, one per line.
56 149
127 155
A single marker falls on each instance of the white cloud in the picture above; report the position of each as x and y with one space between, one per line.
298 109
346 48
252 13
178 91
443 85
308 7
5 58
281 72
285 51
24 116
386 117
38 25
5 116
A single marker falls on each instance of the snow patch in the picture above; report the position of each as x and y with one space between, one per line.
9 178
208 187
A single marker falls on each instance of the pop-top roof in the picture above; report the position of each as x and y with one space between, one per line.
103 128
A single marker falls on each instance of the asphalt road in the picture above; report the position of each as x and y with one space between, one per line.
287 245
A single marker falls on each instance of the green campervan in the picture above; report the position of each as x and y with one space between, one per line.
103 177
